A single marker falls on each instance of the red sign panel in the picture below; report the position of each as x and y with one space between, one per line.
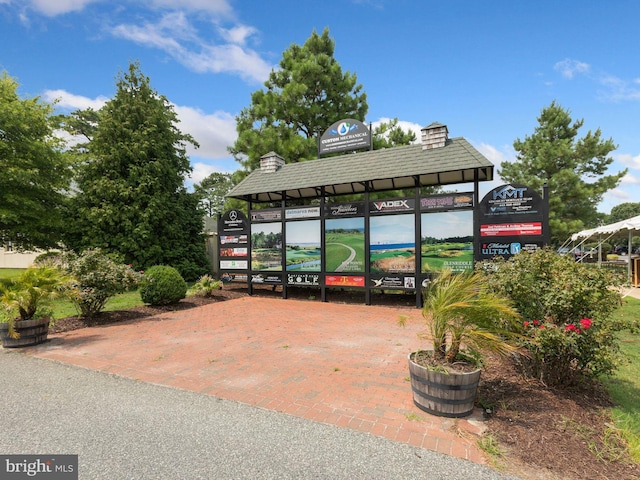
511 229
344 280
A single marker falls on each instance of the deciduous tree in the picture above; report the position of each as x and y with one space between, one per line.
34 171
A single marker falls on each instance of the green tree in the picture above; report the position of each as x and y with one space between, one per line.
390 134
35 173
132 199
624 211
300 101
211 191
573 168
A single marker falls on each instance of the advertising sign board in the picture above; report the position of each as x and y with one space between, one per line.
509 219
344 135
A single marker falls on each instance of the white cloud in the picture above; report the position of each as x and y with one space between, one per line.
405 125
177 37
238 34
629 161
70 101
568 67
618 89
218 7
51 8
201 171
630 180
214 132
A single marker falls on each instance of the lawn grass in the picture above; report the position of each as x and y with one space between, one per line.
10 272
624 386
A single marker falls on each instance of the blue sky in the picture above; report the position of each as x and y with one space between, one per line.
485 69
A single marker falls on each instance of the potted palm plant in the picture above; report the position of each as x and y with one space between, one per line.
463 318
25 318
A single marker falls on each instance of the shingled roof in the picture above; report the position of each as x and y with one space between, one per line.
385 169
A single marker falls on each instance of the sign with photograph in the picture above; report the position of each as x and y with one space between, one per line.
392 246
266 246
344 245
447 241
303 245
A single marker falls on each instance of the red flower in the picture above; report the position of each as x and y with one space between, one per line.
525 324
536 322
570 328
541 327
586 323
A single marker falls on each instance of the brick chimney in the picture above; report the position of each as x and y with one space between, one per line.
434 135
271 162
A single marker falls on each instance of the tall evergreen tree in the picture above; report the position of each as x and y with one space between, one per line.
300 101
132 199
34 171
573 168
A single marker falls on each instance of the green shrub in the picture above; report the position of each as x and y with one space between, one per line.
557 297
206 285
162 285
99 277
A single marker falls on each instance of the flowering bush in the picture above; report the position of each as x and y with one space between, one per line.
98 277
571 335
566 354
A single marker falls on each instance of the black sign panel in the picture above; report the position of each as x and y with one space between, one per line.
511 218
233 222
345 135
392 206
510 200
338 210
267 278
303 279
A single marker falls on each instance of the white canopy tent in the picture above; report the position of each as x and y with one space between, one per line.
630 225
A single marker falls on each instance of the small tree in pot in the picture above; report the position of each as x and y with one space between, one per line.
26 301
462 318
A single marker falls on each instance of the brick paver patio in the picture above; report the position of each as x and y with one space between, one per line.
333 363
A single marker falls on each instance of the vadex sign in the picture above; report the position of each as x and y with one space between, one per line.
388 206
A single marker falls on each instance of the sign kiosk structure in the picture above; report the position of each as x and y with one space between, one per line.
359 221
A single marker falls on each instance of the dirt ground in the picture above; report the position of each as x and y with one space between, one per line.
541 433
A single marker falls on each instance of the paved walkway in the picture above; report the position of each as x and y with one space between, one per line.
333 363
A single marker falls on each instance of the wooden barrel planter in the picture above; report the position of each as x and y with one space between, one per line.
443 394
32 332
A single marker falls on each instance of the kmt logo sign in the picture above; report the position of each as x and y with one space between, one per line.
509 191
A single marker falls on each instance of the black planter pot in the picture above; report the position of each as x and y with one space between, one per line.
31 332
443 394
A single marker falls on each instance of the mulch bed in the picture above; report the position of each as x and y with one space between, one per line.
543 433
